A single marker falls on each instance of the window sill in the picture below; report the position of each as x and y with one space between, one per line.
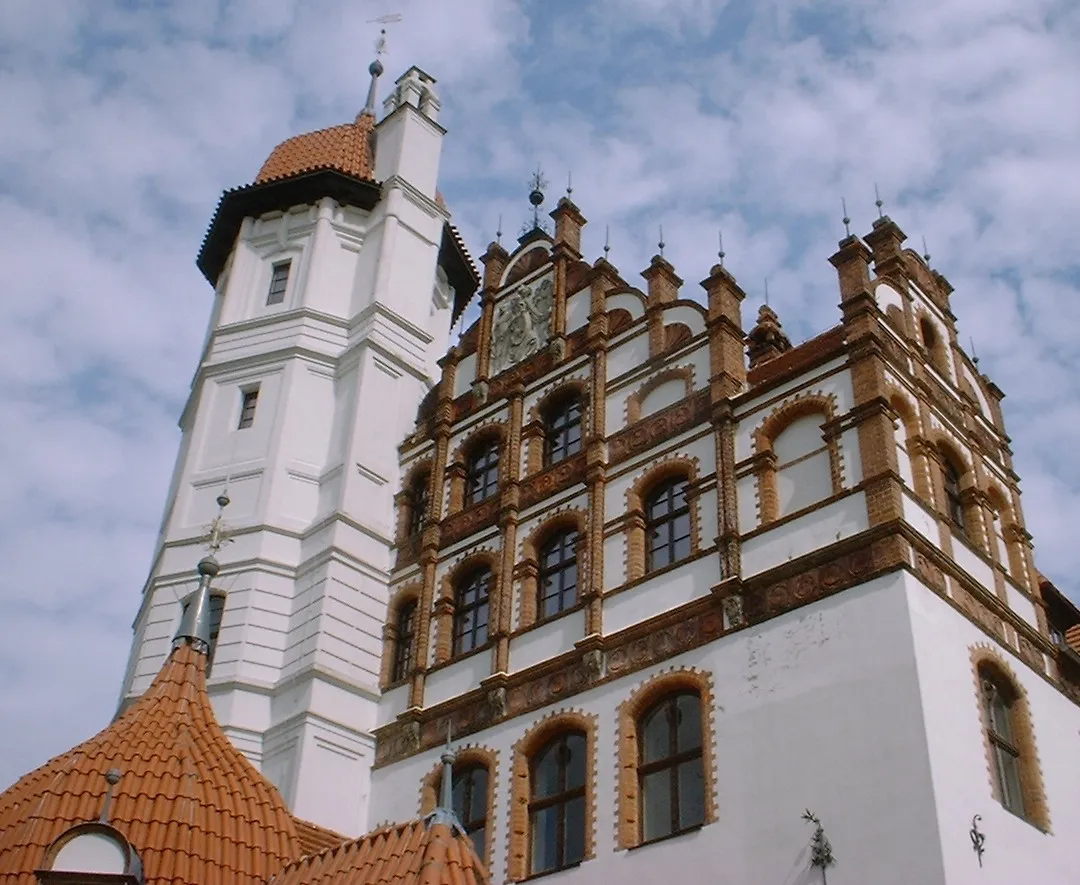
456 659
694 829
546 873
540 622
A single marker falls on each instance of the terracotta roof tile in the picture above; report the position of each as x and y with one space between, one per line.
402 854
314 838
345 148
189 802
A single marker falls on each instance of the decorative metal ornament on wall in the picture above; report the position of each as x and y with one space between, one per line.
522 325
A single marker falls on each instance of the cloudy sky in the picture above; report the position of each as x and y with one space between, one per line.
123 122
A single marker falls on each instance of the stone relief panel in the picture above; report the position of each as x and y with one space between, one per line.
522 324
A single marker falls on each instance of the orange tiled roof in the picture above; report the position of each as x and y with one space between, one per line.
314 838
345 148
403 854
188 801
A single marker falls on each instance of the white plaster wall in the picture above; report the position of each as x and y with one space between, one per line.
807 708
660 593
577 310
886 295
695 444
546 640
972 562
1015 851
819 528
691 317
629 355
663 395
465 375
456 678
920 518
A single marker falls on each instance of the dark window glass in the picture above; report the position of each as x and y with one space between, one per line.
671 770
482 479
470 803
557 804
403 648
247 408
217 612
667 524
279 280
558 575
955 505
562 437
471 611
418 504
998 705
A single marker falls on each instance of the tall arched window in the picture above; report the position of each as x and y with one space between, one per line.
417 503
470 797
954 504
403 643
562 429
557 579
998 701
671 769
557 803
667 524
471 610
482 472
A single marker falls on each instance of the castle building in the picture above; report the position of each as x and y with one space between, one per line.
679 593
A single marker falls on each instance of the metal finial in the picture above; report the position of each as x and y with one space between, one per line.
846 219
444 812
607 240
661 243
766 291
380 43
112 778
925 252
877 202
536 195
720 253
569 183
217 536
974 355
498 231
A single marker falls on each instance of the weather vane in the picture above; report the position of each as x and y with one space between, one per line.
217 537
380 43
536 197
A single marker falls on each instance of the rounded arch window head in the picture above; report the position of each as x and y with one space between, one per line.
562 419
95 849
667 523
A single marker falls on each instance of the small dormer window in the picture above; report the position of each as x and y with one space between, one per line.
279 281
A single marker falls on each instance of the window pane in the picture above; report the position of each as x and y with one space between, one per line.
544 831
545 779
656 738
1012 796
575 831
478 806
689 722
656 804
479 838
691 793
575 761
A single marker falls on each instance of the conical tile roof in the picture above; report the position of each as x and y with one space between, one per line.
193 807
346 148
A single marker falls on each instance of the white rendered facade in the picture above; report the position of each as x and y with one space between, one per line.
339 366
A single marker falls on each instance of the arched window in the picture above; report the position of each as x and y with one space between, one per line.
557 579
470 797
417 503
667 524
998 701
403 645
954 504
671 770
482 472
471 610
562 429
557 803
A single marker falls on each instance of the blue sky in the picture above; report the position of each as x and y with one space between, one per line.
123 122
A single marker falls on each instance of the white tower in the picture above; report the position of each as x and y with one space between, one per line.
337 277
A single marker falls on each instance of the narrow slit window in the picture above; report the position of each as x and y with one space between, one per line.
279 281
247 409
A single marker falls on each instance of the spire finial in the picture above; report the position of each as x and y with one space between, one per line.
112 778
195 616
569 184
720 253
661 243
607 240
536 197
877 202
974 355
375 69
846 219
444 811
766 291
498 231
925 252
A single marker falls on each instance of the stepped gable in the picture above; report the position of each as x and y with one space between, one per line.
188 801
346 149
415 853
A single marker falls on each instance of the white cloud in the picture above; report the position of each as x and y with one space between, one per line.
123 124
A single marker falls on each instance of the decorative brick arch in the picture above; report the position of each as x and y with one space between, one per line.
523 264
533 433
937 349
775 423
517 843
443 615
634 401
1012 531
464 757
895 317
404 595
909 418
627 787
527 569
403 500
943 449
638 493
986 661
456 467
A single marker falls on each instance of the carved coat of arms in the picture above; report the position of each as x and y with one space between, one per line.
522 325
